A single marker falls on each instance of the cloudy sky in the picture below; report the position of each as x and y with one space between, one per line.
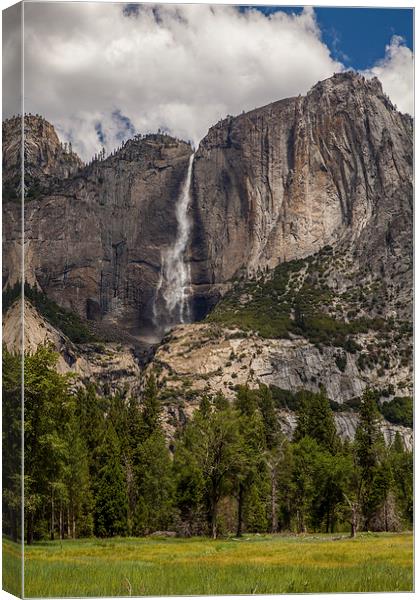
102 72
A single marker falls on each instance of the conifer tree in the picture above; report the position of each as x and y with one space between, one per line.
316 420
46 401
151 407
155 486
251 427
77 482
11 438
215 447
111 502
369 445
268 411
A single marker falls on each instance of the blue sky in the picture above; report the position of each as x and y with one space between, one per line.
357 36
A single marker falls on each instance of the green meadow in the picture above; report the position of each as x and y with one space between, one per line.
251 565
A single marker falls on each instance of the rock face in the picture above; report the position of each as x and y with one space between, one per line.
282 181
94 243
206 358
47 161
214 358
110 368
277 183
331 170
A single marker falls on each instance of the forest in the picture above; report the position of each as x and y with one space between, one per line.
104 466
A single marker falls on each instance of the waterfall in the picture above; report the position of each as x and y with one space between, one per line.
174 281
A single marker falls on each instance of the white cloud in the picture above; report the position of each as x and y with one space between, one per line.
179 68
396 72
176 67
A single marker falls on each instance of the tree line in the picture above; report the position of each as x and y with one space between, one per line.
103 466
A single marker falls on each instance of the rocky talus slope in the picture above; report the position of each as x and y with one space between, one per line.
207 358
194 359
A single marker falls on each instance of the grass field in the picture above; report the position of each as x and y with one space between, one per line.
255 564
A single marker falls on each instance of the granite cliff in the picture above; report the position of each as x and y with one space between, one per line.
331 168
299 249
278 183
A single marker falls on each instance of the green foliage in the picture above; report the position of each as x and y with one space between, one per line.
151 407
111 500
12 421
68 322
34 191
316 420
399 410
47 407
10 191
10 295
98 464
401 464
212 456
275 307
155 486
341 362
371 458
369 439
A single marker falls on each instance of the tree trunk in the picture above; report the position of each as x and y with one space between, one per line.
14 525
61 522
74 524
214 519
52 515
30 529
68 523
274 522
301 521
353 522
240 509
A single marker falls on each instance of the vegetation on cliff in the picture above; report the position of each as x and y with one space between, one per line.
75 328
295 298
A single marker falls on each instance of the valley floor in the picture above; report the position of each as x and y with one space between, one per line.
252 565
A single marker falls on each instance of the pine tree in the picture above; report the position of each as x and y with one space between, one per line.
369 444
189 478
151 407
111 502
401 463
46 409
268 411
155 486
77 482
11 432
251 427
304 482
316 420
213 445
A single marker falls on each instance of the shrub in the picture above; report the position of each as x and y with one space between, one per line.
68 322
398 411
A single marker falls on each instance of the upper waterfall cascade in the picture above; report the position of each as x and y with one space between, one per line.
174 281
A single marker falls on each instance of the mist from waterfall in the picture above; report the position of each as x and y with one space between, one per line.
174 281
